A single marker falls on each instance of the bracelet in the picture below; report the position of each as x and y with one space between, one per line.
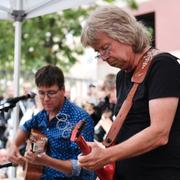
76 169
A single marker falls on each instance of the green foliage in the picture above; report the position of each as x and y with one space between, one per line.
45 40
6 45
132 4
109 1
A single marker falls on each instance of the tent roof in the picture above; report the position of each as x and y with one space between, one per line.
34 8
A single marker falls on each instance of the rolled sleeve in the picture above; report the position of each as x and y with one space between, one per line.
76 169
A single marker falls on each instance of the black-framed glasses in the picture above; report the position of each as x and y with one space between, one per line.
49 94
103 53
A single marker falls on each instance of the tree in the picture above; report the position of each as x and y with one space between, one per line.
45 40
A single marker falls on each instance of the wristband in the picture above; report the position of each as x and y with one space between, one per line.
76 169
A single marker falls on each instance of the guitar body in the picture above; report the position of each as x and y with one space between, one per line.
33 172
105 173
37 143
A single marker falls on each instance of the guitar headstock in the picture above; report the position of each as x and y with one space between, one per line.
77 130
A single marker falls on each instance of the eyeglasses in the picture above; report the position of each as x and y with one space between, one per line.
49 94
104 52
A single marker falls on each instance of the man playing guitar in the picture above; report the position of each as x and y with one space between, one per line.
55 121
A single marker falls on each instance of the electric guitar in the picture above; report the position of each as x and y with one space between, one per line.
105 173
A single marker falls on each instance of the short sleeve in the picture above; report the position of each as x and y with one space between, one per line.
164 77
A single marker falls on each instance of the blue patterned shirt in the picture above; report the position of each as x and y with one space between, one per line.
58 131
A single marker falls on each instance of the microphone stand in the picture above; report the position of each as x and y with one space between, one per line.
6 106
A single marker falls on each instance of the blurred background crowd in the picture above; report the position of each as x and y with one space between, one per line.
99 102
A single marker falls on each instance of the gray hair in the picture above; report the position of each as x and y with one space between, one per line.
119 25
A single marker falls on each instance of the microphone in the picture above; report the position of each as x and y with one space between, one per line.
7 165
11 102
14 100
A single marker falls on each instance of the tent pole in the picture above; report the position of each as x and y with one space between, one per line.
17 57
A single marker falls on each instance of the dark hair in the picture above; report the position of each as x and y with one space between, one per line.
49 75
92 86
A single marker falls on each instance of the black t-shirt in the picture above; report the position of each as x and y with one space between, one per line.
162 80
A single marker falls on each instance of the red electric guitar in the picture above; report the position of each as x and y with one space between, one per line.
107 172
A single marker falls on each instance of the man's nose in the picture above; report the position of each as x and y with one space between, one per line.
46 97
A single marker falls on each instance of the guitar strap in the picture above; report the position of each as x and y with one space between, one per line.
137 78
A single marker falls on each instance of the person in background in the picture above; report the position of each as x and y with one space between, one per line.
3 160
6 123
68 92
91 94
148 145
27 103
3 124
104 111
31 112
89 108
56 121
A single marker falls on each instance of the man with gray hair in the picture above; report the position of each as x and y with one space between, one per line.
147 146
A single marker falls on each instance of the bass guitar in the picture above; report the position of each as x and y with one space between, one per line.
105 173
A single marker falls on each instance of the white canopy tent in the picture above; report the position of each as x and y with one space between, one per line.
19 10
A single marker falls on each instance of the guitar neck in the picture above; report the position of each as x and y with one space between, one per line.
85 149
104 173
